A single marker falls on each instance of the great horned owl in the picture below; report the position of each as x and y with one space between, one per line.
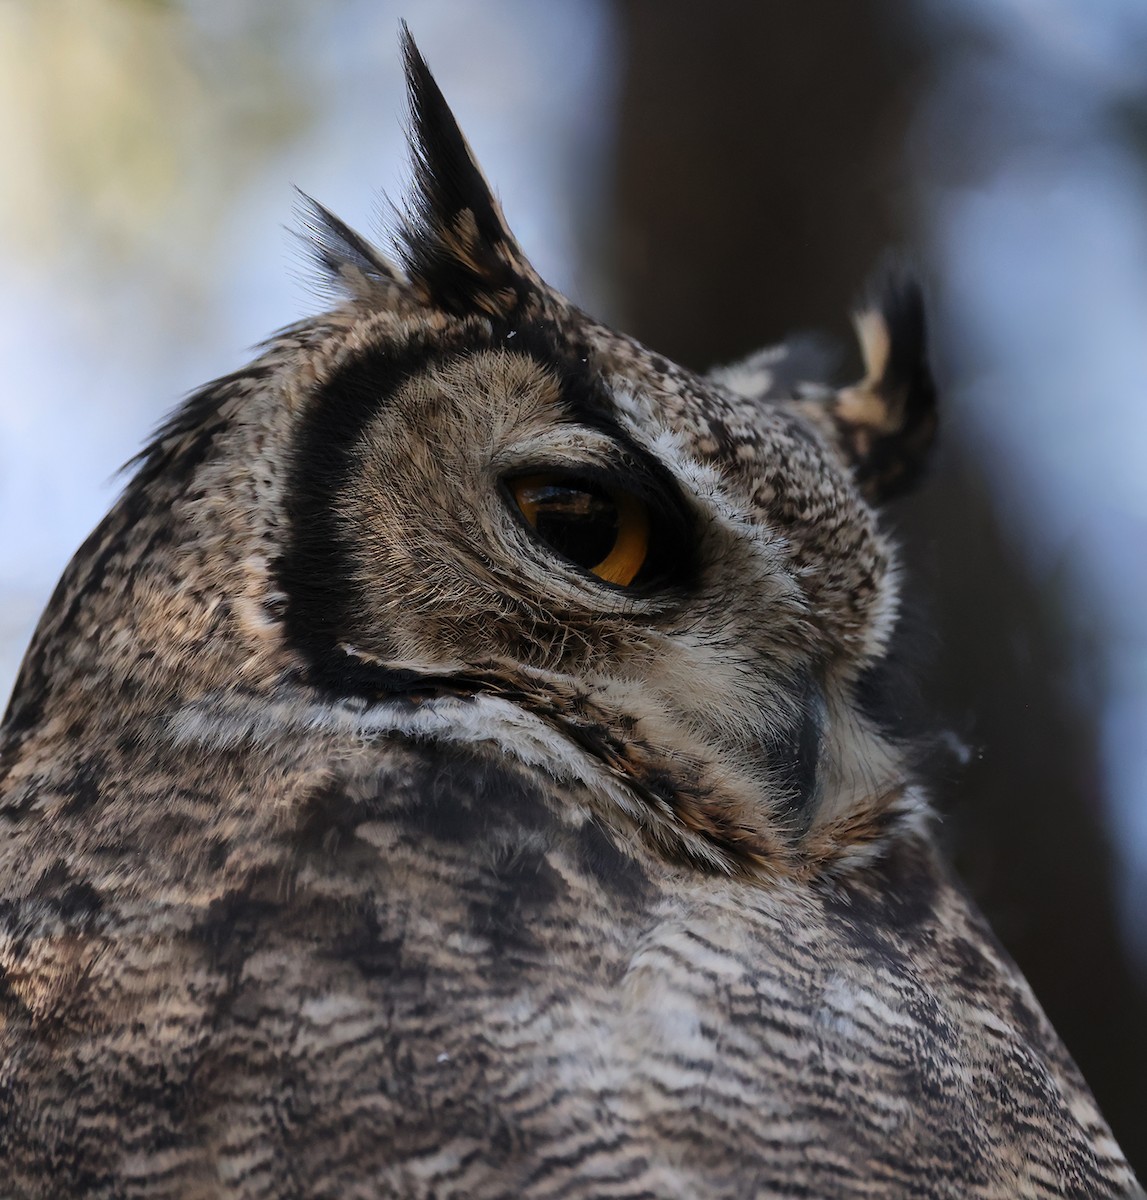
454 768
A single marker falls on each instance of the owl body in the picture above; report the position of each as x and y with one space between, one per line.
455 768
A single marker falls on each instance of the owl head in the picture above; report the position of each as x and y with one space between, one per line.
457 508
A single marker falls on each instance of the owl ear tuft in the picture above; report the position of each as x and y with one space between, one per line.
887 421
456 246
349 264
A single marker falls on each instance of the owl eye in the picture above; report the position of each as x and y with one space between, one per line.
603 529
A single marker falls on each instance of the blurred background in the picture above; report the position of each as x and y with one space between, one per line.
710 178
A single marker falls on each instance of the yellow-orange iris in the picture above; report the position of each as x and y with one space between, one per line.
539 496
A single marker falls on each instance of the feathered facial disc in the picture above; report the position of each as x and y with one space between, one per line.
495 493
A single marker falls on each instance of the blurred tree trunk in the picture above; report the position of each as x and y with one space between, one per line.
759 177
757 170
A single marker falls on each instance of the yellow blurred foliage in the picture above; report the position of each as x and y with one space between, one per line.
128 126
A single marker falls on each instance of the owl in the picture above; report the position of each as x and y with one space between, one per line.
459 766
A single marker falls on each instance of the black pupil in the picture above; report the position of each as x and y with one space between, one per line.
580 524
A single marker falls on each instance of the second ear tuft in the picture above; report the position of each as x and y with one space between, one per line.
887 422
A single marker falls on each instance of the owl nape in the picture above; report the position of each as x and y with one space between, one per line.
455 767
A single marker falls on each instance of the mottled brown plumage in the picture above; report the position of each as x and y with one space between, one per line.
358 842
